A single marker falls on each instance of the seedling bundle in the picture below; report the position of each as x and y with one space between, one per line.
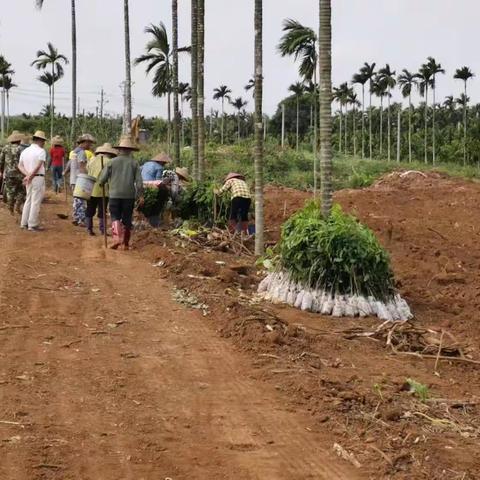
333 266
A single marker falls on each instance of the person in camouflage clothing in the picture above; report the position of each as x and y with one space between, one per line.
14 189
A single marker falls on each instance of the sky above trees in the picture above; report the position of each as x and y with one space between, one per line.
400 32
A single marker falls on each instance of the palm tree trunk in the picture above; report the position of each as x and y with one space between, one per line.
74 71
399 134
381 126
354 131
3 112
238 124
370 123
259 199
325 38
176 112
223 120
52 101
169 122
194 101
410 128
345 128
8 110
434 153
465 128
315 134
200 86
298 121
127 120
182 120
389 128
426 124
340 137
363 121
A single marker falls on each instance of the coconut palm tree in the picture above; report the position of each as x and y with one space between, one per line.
5 71
379 88
301 43
387 76
239 104
361 79
435 68
221 93
368 70
201 88
298 89
7 84
425 81
407 81
54 60
194 87
325 62
39 4
127 118
176 111
464 74
259 197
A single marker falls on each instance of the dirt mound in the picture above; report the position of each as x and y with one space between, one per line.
410 179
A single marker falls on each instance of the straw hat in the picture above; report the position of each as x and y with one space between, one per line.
183 173
106 148
234 175
162 158
127 143
57 140
15 137
86 137
39 135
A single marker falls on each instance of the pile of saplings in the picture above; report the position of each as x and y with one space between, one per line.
333 266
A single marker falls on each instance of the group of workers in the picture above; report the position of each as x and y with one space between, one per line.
119 182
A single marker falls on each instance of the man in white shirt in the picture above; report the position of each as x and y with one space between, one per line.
32 165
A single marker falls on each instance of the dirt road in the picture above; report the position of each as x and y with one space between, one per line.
103 376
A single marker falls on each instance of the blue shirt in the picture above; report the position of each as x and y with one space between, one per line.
152 171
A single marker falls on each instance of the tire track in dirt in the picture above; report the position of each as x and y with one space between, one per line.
149 390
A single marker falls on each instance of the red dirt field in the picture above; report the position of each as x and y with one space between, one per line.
110 371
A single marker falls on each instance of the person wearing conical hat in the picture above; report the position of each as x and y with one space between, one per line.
103 157
32 165
57 162
12 178
125 186
153 169
241 199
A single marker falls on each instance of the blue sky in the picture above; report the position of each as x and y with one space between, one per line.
400 32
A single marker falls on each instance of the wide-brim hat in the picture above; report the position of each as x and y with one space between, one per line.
86 137
162 158
40 135
183 173
127 143
57 140
106 148
232 175
15 137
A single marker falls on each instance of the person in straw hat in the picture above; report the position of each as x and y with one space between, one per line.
13 189
125 185
57 162
2 179
153 169
32 165
103 157
241 200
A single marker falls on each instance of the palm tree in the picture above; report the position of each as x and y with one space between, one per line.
49 80
201 88
435 68
425 81
407 81
239 104
464 74
259 198
183 91
74 63
368 70
52 59
176 111
221 93
325 62
8 84
194 88
127 118
5 71
301 43
361 79
353 101
379 88
388 77
340 94
298 89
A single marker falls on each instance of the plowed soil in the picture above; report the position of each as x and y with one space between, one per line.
105 374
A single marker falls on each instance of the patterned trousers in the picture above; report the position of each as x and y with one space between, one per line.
15 193
79 210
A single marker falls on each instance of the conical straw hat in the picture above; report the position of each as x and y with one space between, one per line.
15 137
106 148
183 173
57 140
39 134
162 158
127 143
234 175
